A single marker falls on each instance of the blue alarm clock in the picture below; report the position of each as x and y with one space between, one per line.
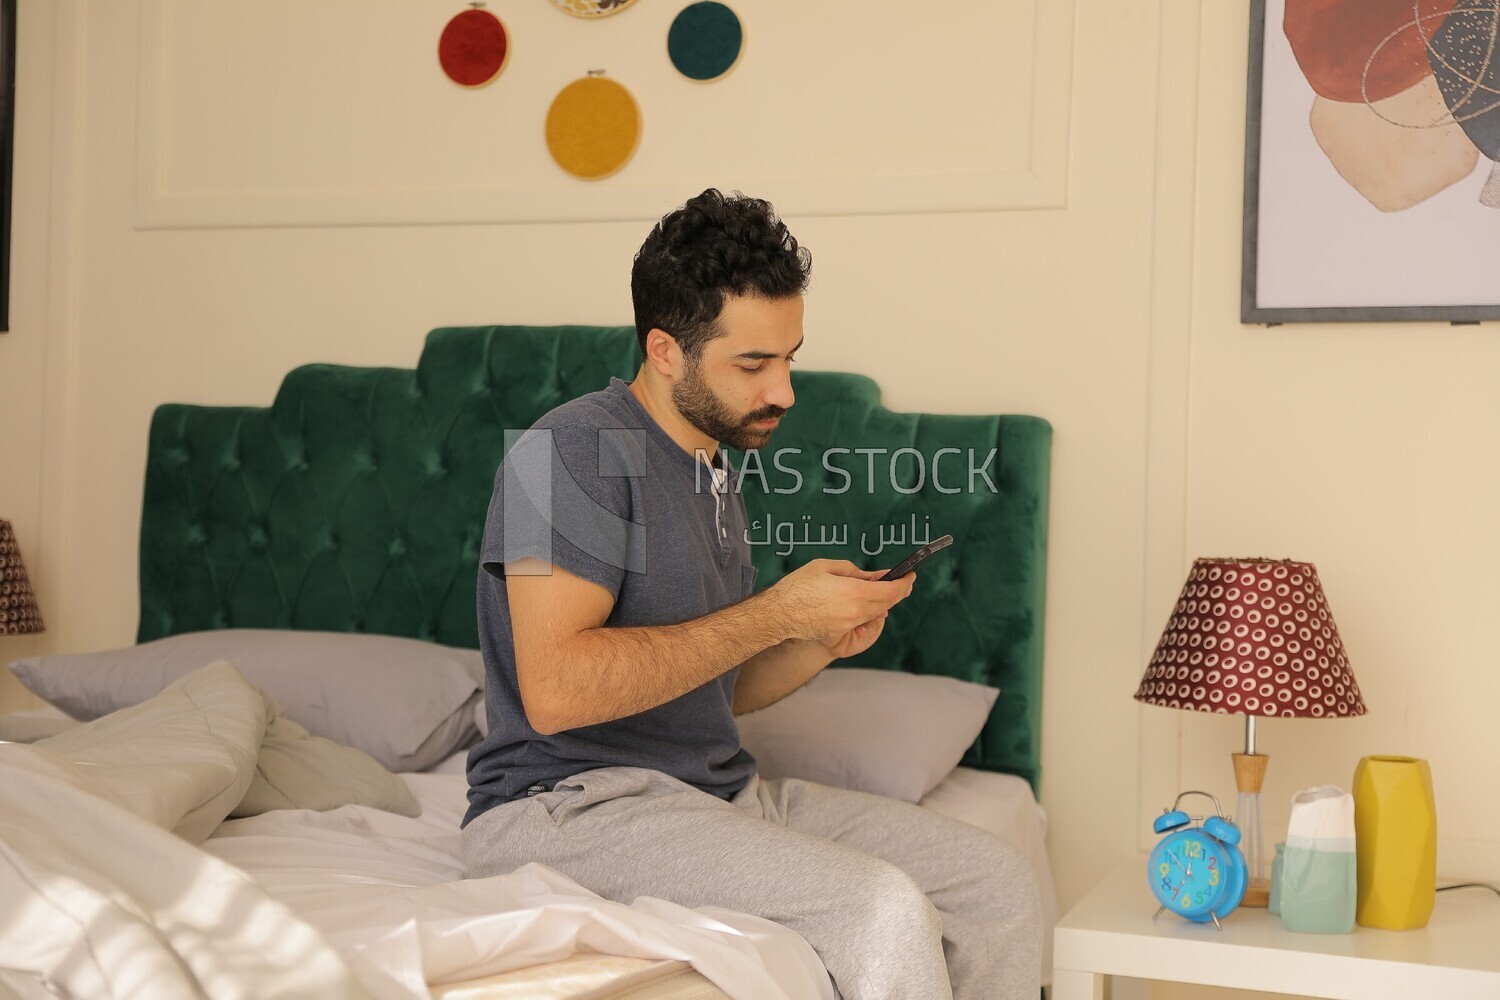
1197 871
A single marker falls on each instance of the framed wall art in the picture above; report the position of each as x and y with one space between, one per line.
7 147
1372 190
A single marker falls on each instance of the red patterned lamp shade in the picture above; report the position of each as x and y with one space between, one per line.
1252 637
18 610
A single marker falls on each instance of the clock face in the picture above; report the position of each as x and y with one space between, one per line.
1190 872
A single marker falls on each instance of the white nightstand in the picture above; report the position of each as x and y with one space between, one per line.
1110 933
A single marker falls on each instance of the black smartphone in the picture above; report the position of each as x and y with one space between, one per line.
918 557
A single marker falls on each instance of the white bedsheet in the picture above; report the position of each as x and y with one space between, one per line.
389 890
98 899
327 856
384 890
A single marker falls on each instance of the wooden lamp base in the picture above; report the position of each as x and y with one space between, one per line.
1249 776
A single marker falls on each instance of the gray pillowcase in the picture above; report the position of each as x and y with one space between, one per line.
292 769
878 731
298 771
409 704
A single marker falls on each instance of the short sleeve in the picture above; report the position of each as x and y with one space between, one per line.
562 495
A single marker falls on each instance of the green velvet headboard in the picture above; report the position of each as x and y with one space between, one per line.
355 502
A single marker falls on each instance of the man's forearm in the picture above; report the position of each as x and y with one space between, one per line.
602 674
772 674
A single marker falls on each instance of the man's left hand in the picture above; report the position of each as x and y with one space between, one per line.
861 637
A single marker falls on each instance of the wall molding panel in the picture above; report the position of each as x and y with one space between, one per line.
219 116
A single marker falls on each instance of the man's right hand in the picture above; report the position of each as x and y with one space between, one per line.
828 597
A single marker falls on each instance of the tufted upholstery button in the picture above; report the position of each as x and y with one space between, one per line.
397 546
297 454
259 537
330 542
196 535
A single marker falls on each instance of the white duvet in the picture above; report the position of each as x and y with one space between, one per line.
98 898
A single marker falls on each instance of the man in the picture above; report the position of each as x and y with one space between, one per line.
621 637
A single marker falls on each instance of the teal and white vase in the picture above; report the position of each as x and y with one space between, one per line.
1319 873
1274 905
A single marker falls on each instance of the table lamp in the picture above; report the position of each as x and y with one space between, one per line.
1252 637
18 610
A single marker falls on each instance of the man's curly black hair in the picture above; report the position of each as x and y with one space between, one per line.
715 245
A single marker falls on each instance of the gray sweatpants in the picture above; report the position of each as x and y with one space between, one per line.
899 902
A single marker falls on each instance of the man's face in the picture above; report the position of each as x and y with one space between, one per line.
741 383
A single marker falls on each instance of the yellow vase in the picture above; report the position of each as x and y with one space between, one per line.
1395 830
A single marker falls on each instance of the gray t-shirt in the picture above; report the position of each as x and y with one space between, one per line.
598 488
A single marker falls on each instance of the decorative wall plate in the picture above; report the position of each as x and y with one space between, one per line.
474 48
591 8
705 41
593 127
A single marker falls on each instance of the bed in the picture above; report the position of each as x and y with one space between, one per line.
349 511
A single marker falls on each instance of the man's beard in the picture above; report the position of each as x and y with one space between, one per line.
698 405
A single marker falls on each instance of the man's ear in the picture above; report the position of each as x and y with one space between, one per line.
663 354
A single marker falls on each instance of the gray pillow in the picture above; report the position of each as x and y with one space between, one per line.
185 724
877 731
296 771
407 703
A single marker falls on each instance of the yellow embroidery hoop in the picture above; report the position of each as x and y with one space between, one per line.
593 127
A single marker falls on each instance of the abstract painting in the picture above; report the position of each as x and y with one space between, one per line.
1372 161
7 147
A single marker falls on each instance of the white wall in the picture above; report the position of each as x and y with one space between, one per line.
1085 268
33 385
1370 451
1367 449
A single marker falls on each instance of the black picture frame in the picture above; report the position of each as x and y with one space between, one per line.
1250 309
7 147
